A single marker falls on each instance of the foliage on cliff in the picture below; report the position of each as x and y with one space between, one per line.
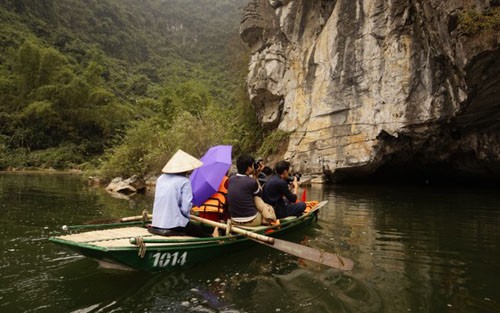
120 84
473 21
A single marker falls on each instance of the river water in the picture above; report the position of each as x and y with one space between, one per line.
416 249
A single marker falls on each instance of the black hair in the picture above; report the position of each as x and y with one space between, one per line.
282 166
243 162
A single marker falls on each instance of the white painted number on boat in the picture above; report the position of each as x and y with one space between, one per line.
167 258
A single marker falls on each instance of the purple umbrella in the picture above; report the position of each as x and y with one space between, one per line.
206 179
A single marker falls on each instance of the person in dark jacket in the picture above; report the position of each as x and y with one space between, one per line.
278 194
242 189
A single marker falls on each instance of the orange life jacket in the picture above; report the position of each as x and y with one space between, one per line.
216 203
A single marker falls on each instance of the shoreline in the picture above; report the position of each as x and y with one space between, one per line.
43 171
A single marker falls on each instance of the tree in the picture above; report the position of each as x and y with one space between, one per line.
51 62
27 66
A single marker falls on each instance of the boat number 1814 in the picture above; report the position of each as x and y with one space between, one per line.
169 259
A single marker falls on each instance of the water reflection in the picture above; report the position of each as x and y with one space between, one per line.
421 244
415 250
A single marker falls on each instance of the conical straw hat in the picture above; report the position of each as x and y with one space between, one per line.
181 162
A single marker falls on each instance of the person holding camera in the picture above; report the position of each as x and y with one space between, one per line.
245 204
263 172
242 188
278 193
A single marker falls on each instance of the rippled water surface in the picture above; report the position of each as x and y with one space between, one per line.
416 249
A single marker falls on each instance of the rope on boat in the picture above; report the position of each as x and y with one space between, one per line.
145 217
139 242
229 227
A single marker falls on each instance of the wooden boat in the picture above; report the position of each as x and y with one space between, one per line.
131 246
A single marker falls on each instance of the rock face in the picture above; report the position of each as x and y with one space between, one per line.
375 88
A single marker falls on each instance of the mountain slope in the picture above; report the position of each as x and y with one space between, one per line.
75 74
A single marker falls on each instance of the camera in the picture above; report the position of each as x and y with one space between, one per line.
290 178
256 164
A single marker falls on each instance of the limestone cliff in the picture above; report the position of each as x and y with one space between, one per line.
375 88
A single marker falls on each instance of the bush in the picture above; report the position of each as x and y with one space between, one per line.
184 118
62 157
4 156
273 143
473 22
130 156
149 144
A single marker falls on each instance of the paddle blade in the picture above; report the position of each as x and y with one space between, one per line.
312 254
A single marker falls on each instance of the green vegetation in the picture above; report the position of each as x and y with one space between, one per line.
273 142
120 85
473 21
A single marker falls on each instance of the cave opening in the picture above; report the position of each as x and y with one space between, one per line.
419 169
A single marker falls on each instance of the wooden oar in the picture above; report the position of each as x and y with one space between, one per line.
120 220
128 220
308 253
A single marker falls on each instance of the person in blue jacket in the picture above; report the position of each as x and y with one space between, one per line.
173 199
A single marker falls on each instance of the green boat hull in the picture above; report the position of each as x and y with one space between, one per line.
177 254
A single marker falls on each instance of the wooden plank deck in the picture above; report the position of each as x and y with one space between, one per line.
117 237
